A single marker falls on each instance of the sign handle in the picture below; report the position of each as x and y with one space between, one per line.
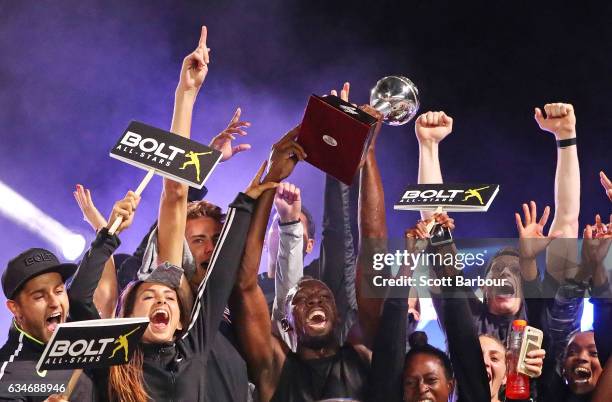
431 224
72 383
138 191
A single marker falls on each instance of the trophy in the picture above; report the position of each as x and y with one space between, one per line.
336 134
397 98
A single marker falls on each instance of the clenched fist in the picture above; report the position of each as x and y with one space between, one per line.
560 120
433 127
288 202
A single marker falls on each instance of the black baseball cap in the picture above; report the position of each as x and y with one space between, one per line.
31 263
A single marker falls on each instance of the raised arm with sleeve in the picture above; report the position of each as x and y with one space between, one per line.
562 255
215 289
464 347
289 265
388 352
290 257
462 336
431 128
389 347
107 291
337 259
87 277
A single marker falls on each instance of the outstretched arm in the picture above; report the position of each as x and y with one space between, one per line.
87 277
173 202
561 122
388 349
531 239
431 128
372 240
337 259
290 261
107 291
215 289
262 351
606 183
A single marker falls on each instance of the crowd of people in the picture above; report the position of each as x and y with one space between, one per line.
224 332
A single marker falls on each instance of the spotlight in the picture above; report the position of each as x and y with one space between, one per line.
586 322
72 246
25 214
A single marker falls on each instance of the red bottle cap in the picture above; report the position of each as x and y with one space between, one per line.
519 324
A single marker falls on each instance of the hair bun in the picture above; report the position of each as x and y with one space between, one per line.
417 339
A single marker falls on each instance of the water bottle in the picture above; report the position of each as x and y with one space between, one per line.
517 384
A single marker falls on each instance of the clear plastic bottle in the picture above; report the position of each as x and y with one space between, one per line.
517 384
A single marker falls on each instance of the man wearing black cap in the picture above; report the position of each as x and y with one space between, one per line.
34 284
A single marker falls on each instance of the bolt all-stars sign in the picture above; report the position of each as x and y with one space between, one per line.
451 197
92 344
170 155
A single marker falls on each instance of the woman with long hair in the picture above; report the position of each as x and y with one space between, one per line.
171 361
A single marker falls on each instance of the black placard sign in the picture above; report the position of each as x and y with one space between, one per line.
451 197
169 154
92 344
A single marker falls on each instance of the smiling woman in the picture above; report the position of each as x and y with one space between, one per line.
428 373
581 366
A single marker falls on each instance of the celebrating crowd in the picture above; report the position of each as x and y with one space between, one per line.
220 331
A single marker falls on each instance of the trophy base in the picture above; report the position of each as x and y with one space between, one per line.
335 135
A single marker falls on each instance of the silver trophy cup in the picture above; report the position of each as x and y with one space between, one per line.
397 98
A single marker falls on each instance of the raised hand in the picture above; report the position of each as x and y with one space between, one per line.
125 209
560 120
223 141
195 66
344 93
597 240
91 214
284 156
532 240
606 183
433 127
288 202
256 187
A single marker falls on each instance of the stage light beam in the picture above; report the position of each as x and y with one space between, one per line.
25 214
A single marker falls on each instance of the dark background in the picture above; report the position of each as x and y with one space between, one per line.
74 73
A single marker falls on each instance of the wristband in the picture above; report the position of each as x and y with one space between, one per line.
288 223
566 143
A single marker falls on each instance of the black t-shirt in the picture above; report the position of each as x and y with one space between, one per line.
343 375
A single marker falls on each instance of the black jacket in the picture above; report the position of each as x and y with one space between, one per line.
201 365
21 352
18 358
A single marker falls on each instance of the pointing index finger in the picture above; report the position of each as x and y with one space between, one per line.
203 35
